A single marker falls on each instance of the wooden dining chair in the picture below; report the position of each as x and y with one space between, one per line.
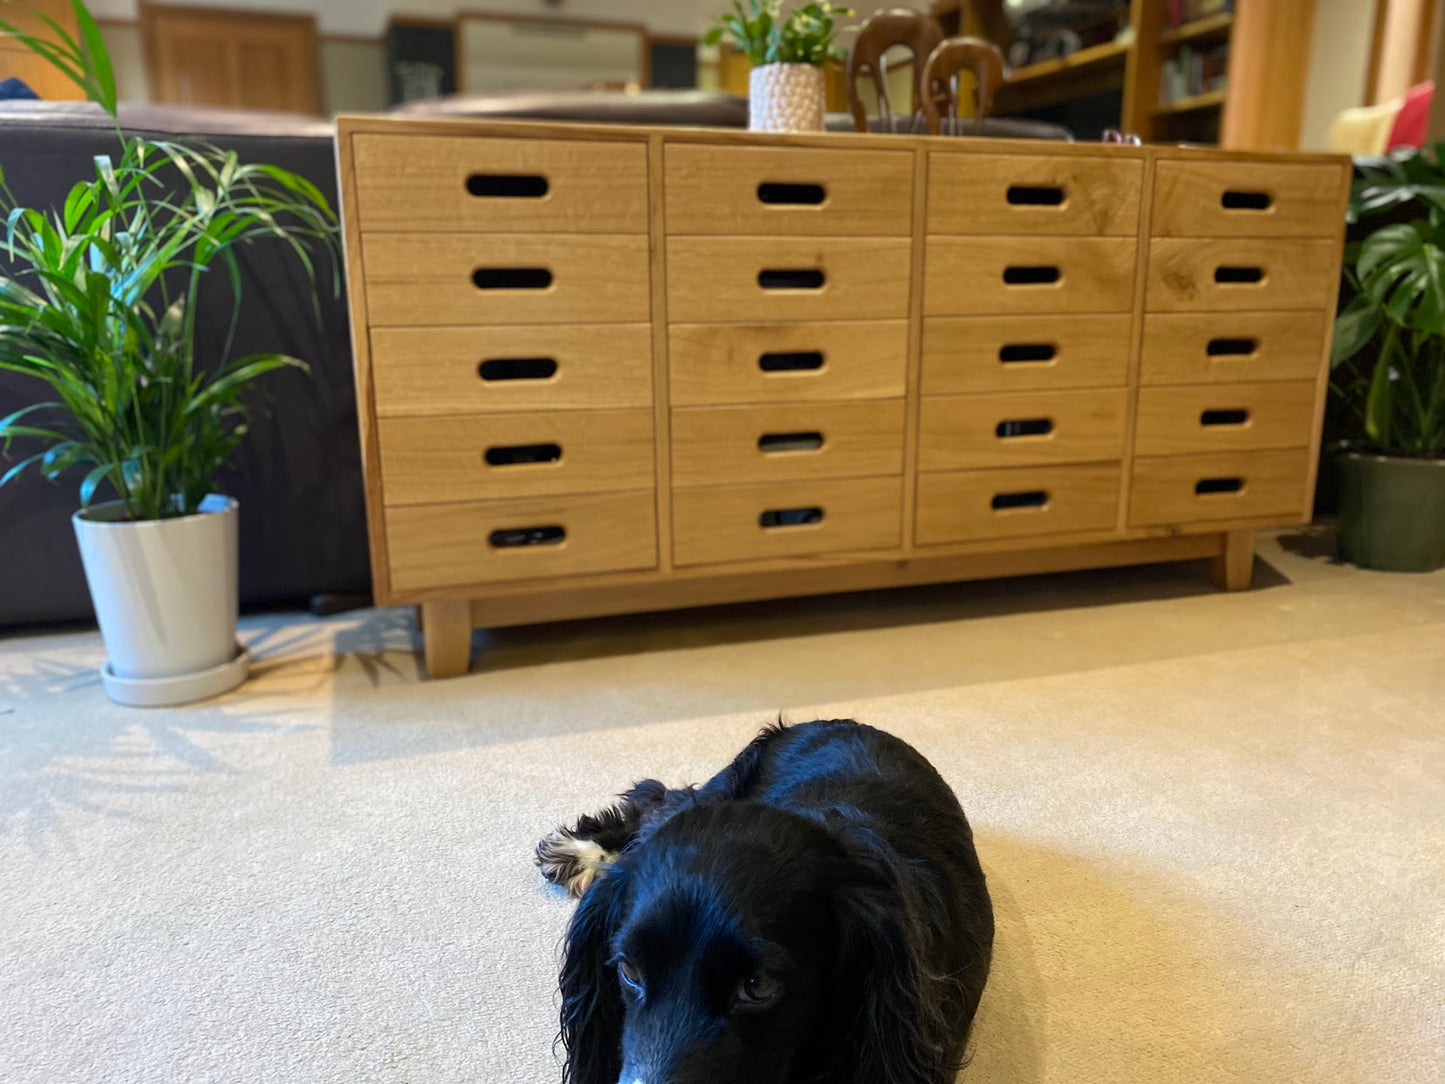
951 56
880 32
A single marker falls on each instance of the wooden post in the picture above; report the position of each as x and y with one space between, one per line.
1234 568
1435 130
447 639
1269 56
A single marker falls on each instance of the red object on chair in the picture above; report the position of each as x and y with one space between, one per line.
1414 117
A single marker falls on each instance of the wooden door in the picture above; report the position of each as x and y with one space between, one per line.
209 56
18 62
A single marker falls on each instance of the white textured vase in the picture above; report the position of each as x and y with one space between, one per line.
165 595
786 98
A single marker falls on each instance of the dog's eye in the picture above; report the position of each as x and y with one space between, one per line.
758 990
630 975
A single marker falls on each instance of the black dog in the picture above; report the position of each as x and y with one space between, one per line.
814 913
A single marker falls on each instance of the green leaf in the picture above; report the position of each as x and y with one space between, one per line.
1354 328
102 71
92 481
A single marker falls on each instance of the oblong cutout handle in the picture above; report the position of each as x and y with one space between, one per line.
1031 274
791 361
508 185
773 443
515 538
512 278
776 193
516 455
496 370
790 517
1024 427
1237 275
1232 348
1035 195
1028 498
1227 416
1206 486
791 278
1244 199
1014 353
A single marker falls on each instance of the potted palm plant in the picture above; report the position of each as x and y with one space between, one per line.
1389 366
786 91
98 301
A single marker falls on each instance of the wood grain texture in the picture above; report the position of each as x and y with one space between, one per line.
961 432
717 278
1182 274
1189 198
436 370
715 190
712 445
964 276
1164 491
716 364
1171 420
721 523
1233 569
438 459
956 506
970 194
448 545
419 183
446 629
1275 345
964 353
426 278
1268 71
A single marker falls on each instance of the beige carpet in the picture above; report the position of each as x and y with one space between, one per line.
1212 826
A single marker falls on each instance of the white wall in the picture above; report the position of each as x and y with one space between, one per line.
1339 65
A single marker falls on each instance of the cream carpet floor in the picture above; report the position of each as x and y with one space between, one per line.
1212 826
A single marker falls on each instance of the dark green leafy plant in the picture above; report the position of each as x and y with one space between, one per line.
100 302
766 36
1389 349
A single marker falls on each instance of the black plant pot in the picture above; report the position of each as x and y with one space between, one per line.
1392 512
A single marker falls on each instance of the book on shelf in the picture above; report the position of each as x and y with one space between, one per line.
1191 72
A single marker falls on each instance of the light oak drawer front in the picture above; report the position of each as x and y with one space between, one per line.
961 432
787 278
500 185
505 278
967 506
792 519
1189 348
1057 195
1229 485
762 190
1189 274
445 545
964 276
1224 417
1247 199
1004 353
758 363
783 443
453 370
482 457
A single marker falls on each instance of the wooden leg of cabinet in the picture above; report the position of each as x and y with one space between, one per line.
446 637
1233 569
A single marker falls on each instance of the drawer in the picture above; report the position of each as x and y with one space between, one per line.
450 183
784 443
765 190
1203 348
1248 199
1224 417
482 457
1224 486
758 363
960 432
792 519
970 506
450 545
787 278
505 278
1057 195
964 276
455 370
1228 275
1004 353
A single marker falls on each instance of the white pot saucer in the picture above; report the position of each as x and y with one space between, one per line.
181 689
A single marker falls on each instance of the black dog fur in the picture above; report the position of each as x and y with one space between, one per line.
814 914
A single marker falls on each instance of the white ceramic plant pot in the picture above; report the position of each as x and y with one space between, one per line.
165 595
786 98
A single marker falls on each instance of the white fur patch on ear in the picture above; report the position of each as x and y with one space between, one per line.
572 863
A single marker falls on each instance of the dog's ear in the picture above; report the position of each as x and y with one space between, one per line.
591 997
891 1027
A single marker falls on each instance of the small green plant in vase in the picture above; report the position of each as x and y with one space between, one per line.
98 303
1389 366
786 89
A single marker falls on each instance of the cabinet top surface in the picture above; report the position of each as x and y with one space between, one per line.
357 124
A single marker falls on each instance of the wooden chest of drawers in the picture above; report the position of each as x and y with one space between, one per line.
606 369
